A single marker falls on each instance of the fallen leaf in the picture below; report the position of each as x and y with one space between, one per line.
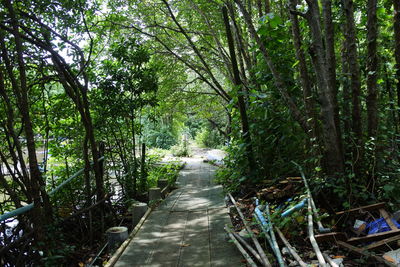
339 257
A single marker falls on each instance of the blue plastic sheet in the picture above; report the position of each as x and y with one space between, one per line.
379 226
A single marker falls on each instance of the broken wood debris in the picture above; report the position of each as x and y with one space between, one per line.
366 224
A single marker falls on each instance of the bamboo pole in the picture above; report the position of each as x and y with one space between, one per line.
312 236
273 239
256 243
292 251
249 248
329 260
241 249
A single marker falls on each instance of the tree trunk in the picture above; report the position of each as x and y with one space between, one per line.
346 106
350 35
372 68
267 7
279 83
302 66
333 156
40 198
143 174
242 107
396 28
331 63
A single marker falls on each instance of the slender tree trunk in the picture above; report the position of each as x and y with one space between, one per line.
331 63
333 156
279 83
242 107
259 8
143 174
302 66
134 171
396 27
372 68
346 106
355 81
267 6
40 197
392 112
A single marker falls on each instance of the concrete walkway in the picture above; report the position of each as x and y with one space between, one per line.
188 227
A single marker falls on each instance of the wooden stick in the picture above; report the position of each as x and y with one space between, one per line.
241 249
292 251
244 243
364 208
256 243
312 237
329 260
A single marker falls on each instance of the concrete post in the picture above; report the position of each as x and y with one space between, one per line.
116 235
138 210
154 194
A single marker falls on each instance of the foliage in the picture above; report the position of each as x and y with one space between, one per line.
162 138
209 138
182 149
168 171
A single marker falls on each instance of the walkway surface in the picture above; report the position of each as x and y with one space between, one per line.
188 227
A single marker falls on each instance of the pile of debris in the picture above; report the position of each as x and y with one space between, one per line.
296 236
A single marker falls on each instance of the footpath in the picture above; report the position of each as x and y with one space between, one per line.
187 229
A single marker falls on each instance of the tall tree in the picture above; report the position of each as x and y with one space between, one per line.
372 68
333 156
241 103
396 27
355 83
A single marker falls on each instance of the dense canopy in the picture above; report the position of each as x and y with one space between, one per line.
316 82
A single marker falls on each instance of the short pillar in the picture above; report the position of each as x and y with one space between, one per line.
154 194
116 235
138 210
162 183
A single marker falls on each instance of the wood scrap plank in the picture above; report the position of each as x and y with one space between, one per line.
383 242
362 252
373 237
387 218
376 206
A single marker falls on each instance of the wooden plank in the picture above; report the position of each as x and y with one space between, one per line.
387 218
373 237
332 237
376 206
364 253
383 242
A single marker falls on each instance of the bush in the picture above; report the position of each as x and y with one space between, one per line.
181 150
168 171
162 138
209 138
